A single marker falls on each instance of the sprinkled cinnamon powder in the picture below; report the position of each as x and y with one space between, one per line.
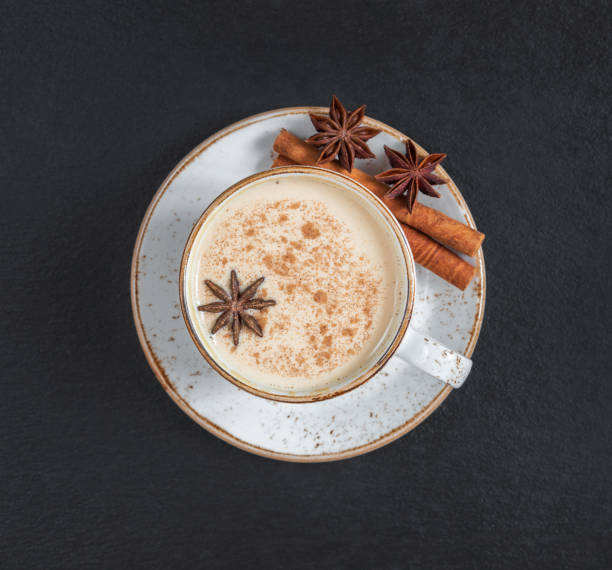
320 285
320 296
310 231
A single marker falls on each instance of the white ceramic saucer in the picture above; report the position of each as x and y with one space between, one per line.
387 406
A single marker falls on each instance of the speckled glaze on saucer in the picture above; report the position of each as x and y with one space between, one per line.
389 405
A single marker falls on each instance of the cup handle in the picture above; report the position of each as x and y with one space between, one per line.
433 357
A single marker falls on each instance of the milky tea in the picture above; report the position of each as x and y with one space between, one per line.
332 263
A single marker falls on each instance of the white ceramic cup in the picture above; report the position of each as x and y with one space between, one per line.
410 345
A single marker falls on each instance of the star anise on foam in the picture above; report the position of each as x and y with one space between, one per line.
234 306
411 173
340 135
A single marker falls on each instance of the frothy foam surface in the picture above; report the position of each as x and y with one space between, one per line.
331 264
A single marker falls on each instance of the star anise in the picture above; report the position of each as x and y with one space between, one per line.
234 306
340 135
411 173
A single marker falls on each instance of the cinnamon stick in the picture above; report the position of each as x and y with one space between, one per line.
438 259
435 224
281 160
427 252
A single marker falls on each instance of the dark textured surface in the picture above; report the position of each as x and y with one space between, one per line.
100 469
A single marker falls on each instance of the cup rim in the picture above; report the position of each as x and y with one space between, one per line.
408 261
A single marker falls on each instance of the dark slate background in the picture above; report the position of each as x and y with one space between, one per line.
99 469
